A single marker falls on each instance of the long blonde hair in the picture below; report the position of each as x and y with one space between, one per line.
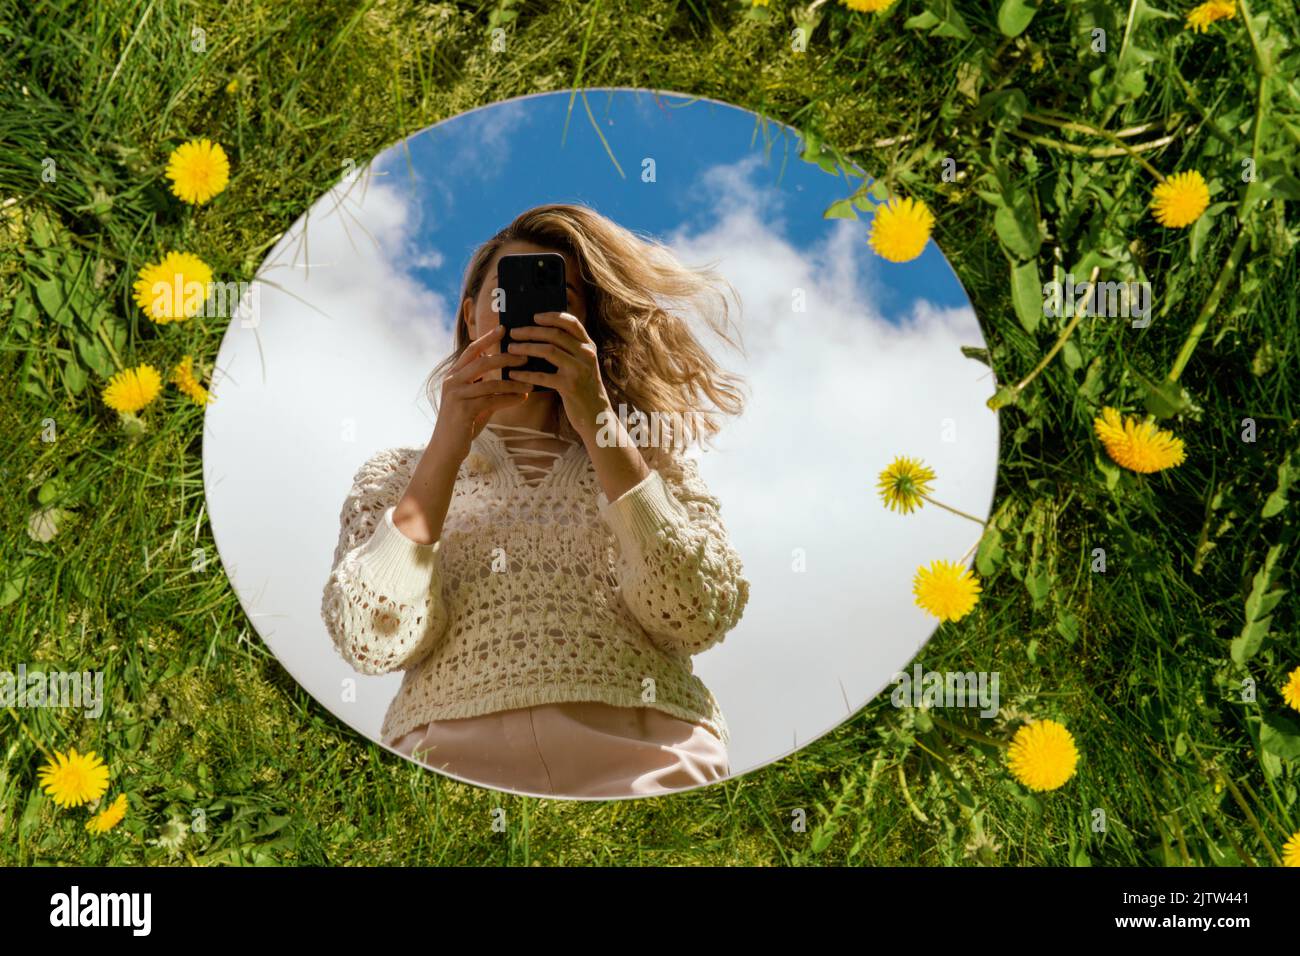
636 291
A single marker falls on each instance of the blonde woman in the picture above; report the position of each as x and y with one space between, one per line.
542 573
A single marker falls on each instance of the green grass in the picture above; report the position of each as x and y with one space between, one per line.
1137 661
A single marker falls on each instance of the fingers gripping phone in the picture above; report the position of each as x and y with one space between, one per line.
530 284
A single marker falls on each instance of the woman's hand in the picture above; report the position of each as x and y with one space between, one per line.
469 399
561 339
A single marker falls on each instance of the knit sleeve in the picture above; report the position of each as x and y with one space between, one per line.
382 603
678 573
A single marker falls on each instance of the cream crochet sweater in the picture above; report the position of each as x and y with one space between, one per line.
540 590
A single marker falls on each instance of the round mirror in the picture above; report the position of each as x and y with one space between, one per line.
675 616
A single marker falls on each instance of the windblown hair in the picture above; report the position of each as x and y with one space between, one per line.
637 293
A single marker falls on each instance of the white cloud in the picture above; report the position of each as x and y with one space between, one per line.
353 270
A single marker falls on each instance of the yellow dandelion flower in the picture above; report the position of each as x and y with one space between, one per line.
175 289
946 589
868 6
760 3
900 229
1201 17
1180 200
1042 755
198 170
74 779
133 388
1291 851
903 483
233 86
106 819
183 378
1137 446
1291 689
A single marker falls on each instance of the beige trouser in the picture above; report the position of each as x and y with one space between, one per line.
582 749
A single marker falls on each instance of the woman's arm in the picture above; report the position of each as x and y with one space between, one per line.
382 603
678 573
422 508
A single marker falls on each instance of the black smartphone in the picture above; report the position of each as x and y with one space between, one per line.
529 284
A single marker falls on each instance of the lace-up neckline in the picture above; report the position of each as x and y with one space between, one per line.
528 473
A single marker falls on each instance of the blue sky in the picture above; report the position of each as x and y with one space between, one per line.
471 175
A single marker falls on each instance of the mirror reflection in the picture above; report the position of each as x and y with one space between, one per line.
547 453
